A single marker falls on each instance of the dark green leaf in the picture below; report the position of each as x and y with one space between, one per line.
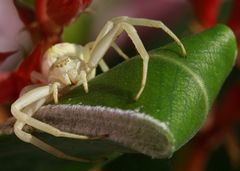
178 95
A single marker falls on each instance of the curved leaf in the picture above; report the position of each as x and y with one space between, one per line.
178 95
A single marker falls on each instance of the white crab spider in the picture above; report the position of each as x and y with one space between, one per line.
68 64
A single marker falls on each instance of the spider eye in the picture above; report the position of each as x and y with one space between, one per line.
61 62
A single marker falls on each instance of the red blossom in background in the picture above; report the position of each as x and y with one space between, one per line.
50 16
45 24
226 113
5 55
73 8
234 23
229 110
234 19
206 11
11 86
219 131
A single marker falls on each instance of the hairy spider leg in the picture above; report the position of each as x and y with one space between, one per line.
106 28
104 43
38 97
30 97
26 137
115 27
151 23
104 67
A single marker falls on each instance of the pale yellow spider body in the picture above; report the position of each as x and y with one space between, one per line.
68 64
64 63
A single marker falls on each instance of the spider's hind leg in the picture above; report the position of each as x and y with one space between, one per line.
26 137
151 23
33 100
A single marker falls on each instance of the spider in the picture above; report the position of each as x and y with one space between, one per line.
65 65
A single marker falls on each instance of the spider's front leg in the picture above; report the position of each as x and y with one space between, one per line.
115 28
26 137
23 109
30 97
103 45
153 24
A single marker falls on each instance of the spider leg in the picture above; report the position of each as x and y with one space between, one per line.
106 29
101 45
54 87
26 100
92 45
119 51
132 33
106 41
26 137
104 67
119 24
150 23
84 80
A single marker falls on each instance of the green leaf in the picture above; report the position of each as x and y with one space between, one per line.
179 91
175 102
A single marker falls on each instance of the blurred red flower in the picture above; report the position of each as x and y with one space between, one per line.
4 55
217 130
206 11
226 113
45 24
